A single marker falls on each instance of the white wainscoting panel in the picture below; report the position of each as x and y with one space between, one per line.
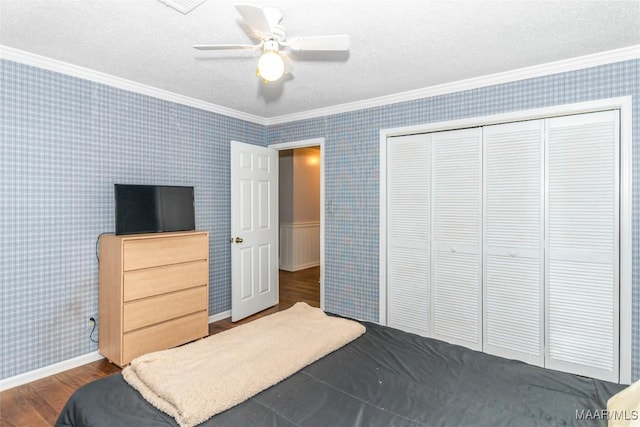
299 245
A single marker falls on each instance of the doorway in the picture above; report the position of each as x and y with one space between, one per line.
301 205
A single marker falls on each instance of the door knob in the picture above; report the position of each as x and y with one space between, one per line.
238 240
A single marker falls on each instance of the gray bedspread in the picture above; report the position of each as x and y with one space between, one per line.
384 378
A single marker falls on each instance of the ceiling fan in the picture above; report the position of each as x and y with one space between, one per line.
264 24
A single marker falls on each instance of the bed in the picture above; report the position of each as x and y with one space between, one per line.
385 377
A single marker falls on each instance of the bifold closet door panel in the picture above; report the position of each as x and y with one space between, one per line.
456 221
513 232
582 240
408 233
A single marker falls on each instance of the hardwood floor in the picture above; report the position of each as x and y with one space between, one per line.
303 285
38 403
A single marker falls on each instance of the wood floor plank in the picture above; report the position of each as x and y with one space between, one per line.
54 394
30 394
38 403
17 411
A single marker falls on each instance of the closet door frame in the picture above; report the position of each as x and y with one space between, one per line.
624 105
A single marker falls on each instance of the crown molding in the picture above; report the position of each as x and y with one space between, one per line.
562 66
50 64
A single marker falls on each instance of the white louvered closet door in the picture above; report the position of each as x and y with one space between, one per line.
582 241
456 228
408 236
513 241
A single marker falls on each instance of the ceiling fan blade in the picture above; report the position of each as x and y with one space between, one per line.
226 46
273 15
255 18
338 43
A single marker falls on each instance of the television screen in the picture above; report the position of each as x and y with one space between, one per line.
153 208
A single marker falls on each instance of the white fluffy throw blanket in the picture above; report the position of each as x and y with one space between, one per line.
198 380
624 408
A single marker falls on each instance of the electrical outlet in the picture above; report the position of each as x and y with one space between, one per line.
90 324
93 320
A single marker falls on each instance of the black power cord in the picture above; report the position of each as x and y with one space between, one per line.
93 320
97 245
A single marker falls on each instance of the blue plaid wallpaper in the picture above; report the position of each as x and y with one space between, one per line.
65 141
352 170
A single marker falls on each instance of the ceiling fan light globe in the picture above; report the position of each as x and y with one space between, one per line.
270 66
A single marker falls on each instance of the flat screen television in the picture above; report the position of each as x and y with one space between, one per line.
153 208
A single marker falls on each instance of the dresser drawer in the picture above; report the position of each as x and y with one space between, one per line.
164 335
153 252
140 313
160 280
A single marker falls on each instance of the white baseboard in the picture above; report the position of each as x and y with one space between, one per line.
65 365
220 316
300 267
47 371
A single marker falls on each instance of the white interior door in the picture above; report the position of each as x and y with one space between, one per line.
554 284
513 241
456 226
408 233
582 244
254 229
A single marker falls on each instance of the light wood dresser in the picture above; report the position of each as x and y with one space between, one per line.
153 292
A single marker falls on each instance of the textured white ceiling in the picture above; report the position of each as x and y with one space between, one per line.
396 46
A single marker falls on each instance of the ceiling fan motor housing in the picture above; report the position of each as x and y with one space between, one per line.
271 45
